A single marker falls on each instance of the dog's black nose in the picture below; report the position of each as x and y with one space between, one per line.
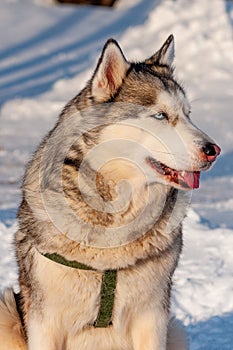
211 151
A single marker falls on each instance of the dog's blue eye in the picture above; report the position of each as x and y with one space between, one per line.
160 116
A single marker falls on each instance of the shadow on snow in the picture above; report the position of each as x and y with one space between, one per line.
43 69
213 334
8 216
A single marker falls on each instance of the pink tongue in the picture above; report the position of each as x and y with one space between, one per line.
192 179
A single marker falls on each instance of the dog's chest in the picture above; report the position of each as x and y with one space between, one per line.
76 294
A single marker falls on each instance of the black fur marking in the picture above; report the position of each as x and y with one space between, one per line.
73 162
18 302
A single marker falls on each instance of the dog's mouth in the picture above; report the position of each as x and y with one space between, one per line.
184 179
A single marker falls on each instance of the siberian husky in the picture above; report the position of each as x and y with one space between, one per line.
100 223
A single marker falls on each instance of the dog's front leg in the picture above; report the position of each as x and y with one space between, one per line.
40 336
149 330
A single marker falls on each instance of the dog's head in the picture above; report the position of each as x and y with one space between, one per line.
131 122
149 121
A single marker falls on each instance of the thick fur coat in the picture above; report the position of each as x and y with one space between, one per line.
108 188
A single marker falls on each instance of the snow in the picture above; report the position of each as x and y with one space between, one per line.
47 54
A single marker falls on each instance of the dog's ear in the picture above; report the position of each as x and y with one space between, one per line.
110 72
165 55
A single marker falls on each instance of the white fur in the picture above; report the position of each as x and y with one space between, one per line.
11 335
140 325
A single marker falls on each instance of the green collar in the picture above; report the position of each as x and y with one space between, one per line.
108 288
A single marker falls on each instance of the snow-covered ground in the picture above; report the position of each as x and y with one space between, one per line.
47 54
